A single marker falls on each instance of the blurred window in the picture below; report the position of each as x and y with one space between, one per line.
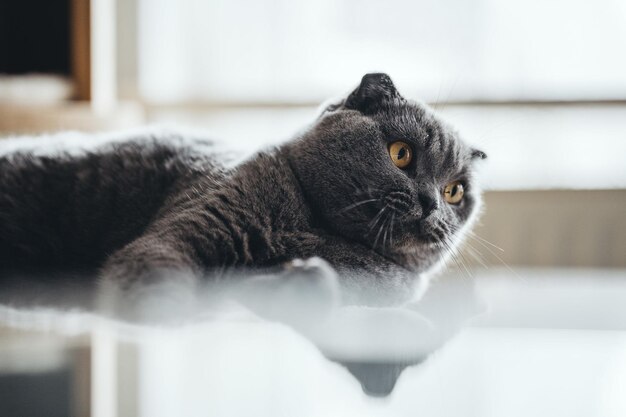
286 51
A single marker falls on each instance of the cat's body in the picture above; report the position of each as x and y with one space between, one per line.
174 206
132 211
72 210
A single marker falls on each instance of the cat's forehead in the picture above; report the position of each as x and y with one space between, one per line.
414 121
434 139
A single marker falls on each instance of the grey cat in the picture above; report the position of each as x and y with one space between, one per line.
378 187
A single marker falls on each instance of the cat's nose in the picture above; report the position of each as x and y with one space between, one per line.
428 203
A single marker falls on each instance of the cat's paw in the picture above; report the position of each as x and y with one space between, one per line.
303 295
314 279
315 269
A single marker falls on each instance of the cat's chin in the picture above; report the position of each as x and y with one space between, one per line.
418 257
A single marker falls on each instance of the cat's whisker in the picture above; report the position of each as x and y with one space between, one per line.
376 218
448 252
465 262
380 229
450 248
475 253
497 257
357 204
385 235
485 240
455 254
476 256
393 216
387 243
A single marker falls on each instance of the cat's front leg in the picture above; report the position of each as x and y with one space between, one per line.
149 280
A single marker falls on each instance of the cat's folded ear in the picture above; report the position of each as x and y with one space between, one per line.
375 91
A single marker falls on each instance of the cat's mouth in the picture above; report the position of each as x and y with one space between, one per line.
432 231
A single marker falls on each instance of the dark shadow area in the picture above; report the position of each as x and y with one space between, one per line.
35 37
377 378
40 394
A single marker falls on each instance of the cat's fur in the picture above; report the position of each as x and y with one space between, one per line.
131 212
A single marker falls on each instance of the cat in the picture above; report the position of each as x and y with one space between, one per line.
378 190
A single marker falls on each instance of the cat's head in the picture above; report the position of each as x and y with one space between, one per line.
386 172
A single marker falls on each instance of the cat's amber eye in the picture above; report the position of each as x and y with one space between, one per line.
401 154
453 192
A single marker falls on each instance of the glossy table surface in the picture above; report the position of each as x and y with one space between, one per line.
544 342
